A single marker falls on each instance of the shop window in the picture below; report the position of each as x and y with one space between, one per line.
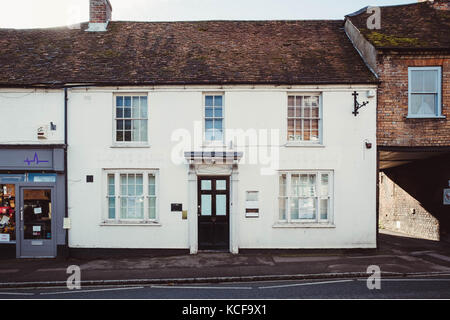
7 213
131 197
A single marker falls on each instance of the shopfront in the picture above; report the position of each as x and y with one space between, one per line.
32 201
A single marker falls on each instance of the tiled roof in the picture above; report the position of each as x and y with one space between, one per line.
411 27
208 52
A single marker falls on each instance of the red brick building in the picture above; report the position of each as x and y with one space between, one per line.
408 48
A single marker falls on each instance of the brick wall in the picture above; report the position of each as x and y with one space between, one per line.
411 198
393 127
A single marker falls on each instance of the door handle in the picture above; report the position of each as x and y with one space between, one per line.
21 214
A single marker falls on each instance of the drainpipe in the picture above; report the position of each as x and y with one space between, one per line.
66 204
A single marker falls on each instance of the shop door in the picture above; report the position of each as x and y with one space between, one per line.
37 222
213 213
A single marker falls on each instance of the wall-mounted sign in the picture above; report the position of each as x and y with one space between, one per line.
4 237
446 196
176 207
252 204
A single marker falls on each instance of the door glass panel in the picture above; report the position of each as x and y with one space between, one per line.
37 214
206 205
221 185
7 212
221 205
206 184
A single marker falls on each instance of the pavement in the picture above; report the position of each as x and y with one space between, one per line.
397 256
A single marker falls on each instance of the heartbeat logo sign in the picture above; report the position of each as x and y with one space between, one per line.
35 160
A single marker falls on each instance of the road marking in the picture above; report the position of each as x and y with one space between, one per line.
304 284
87 291
197 287
16 294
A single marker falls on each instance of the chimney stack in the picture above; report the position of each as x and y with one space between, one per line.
100 13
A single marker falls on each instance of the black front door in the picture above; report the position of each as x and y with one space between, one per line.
213 213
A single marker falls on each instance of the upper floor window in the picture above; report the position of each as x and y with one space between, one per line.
424 94
131 118
214 117
304 122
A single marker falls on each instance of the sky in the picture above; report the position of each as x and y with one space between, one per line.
51 13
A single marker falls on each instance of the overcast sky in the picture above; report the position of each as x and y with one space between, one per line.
49 13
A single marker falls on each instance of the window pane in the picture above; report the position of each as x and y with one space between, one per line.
209 112
136 130
152 208
218 135
127 113
127 101
206 185
324 209
221 205
119 136
291 101
218 101
139 208
209 101
298 101
430 78
206 205
144 131
151 185
217 124
307 130
221 185
127 136
135 108
112 211
295 185
295 208
291 112
282 207
119 113
144 107
307 208
423 104
218 112
209 134
324 185
282 182
119 101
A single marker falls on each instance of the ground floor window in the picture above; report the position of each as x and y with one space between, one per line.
7 213
131 196
305 196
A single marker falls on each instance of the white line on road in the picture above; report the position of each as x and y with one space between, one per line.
87 291
304 284
195 287
16 294
400 280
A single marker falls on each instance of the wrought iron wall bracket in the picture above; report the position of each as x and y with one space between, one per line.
357 104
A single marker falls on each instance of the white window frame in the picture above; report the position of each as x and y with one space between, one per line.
438 93
212 143
129 143
330 197
319 142
117 220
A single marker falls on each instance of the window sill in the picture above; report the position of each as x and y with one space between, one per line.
304 145
299 225
425 117
131 145
126 224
